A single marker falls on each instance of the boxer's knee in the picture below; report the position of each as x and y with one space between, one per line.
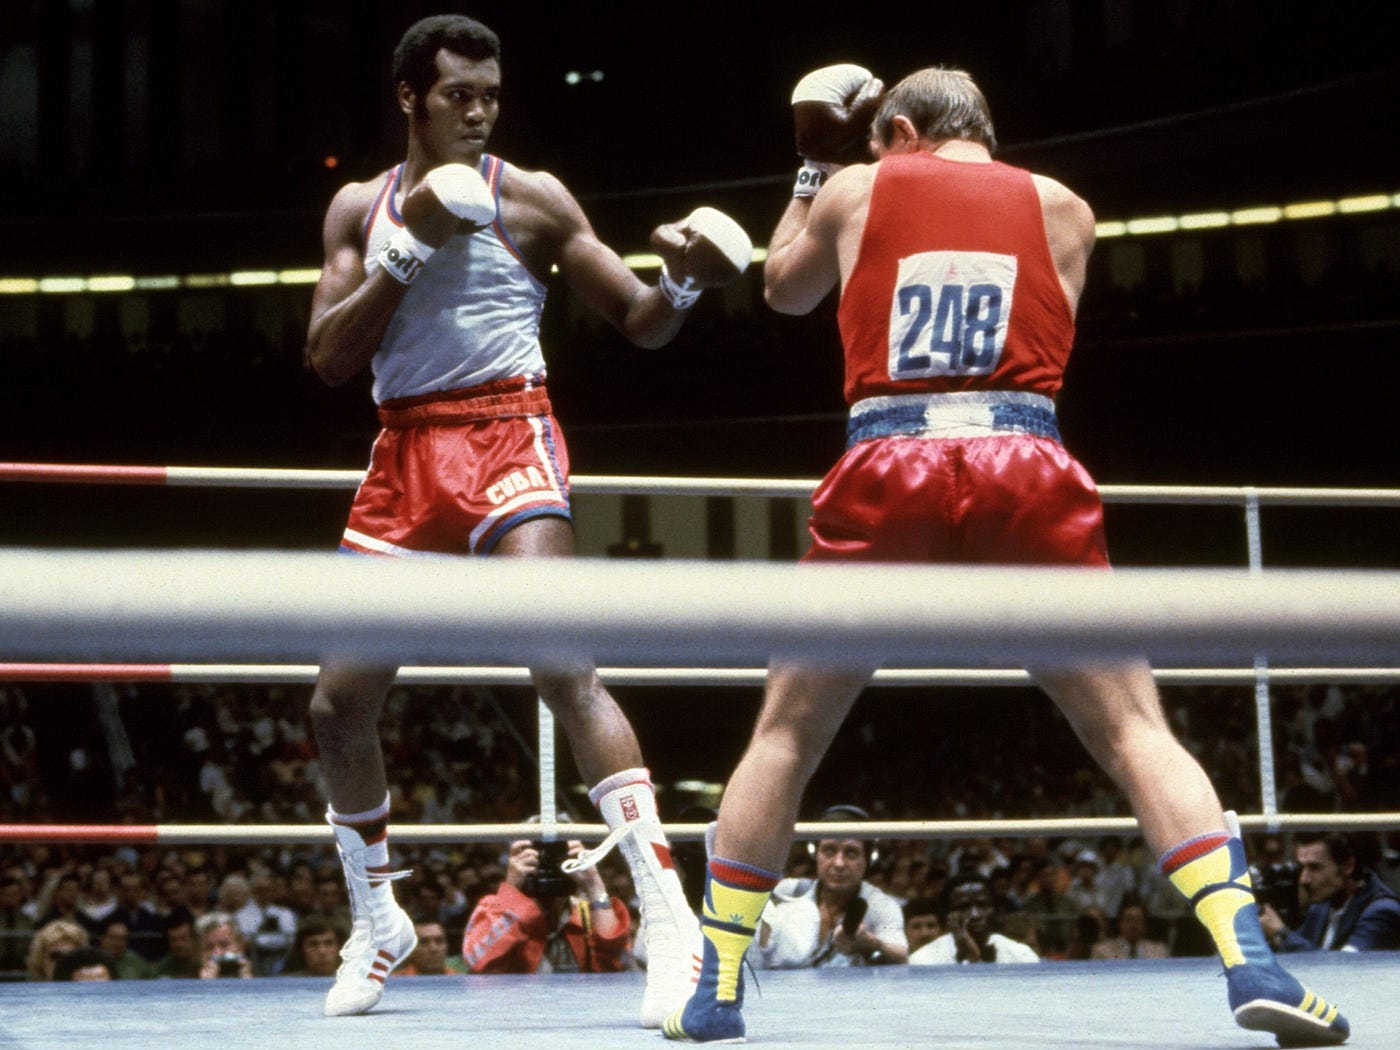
345 701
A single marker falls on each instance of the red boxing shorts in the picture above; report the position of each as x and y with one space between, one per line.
987 482
452 473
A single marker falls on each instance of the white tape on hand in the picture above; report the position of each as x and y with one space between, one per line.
811 176
402 255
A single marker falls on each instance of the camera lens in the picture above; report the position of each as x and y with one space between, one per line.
549 880
229 965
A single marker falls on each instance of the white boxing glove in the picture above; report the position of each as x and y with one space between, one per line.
706 249
726 235
432 212
463 192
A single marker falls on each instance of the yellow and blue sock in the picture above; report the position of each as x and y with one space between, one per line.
1212 873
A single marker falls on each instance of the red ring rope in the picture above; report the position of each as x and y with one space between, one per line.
67 473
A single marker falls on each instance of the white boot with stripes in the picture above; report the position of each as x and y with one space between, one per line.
382 935
671 931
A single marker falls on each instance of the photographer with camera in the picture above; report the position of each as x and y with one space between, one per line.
541 920
221 946
1347 907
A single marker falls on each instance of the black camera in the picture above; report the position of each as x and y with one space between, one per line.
1277 886
549 880
229 964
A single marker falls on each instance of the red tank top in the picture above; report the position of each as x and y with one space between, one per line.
954 287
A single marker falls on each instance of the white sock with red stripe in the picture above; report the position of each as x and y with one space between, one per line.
627 799
372 828
382 935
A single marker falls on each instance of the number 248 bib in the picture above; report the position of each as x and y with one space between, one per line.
950 313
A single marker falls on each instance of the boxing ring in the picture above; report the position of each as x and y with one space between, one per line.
87 615
1172 1004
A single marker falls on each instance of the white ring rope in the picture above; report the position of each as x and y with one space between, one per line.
319 834
316 608
159 607
298 674
293 478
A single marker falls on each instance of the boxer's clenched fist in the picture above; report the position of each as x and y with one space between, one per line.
832 110
706 249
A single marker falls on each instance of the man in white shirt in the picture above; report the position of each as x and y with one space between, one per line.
836 919
970 937
268 928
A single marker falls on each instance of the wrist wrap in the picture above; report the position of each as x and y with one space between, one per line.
810 178
402 255
680 296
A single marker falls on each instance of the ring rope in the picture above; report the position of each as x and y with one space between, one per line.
285 607
1250 498
319 834
294 674
293 478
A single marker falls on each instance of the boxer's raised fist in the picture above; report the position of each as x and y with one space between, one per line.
706 249
832 111
447 197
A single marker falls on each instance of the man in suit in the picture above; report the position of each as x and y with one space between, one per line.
1348 907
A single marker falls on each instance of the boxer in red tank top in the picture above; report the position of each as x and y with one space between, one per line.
959 281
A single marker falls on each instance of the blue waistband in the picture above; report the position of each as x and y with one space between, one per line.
959 415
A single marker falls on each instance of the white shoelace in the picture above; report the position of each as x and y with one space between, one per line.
388 876
590 857
361 939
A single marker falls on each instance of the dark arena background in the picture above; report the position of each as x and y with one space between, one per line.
165 166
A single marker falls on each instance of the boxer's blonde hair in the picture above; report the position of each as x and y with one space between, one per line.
941 104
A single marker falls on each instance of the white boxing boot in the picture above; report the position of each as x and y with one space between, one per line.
382 935
671 930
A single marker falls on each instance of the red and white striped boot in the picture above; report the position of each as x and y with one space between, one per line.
382 936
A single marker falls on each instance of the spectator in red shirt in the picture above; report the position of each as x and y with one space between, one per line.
539 921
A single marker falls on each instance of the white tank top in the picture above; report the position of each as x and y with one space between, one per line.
471 316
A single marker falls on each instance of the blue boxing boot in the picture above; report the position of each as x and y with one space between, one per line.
735 896
1213 874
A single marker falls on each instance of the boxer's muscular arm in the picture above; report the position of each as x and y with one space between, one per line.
349 311
705 250
813 247
597 275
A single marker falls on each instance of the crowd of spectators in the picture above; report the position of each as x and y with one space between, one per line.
147 754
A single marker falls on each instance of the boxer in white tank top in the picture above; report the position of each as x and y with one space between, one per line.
470 318
432 276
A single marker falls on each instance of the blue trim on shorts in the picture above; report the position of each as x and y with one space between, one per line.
549 424
908 420
1025 419
505 525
